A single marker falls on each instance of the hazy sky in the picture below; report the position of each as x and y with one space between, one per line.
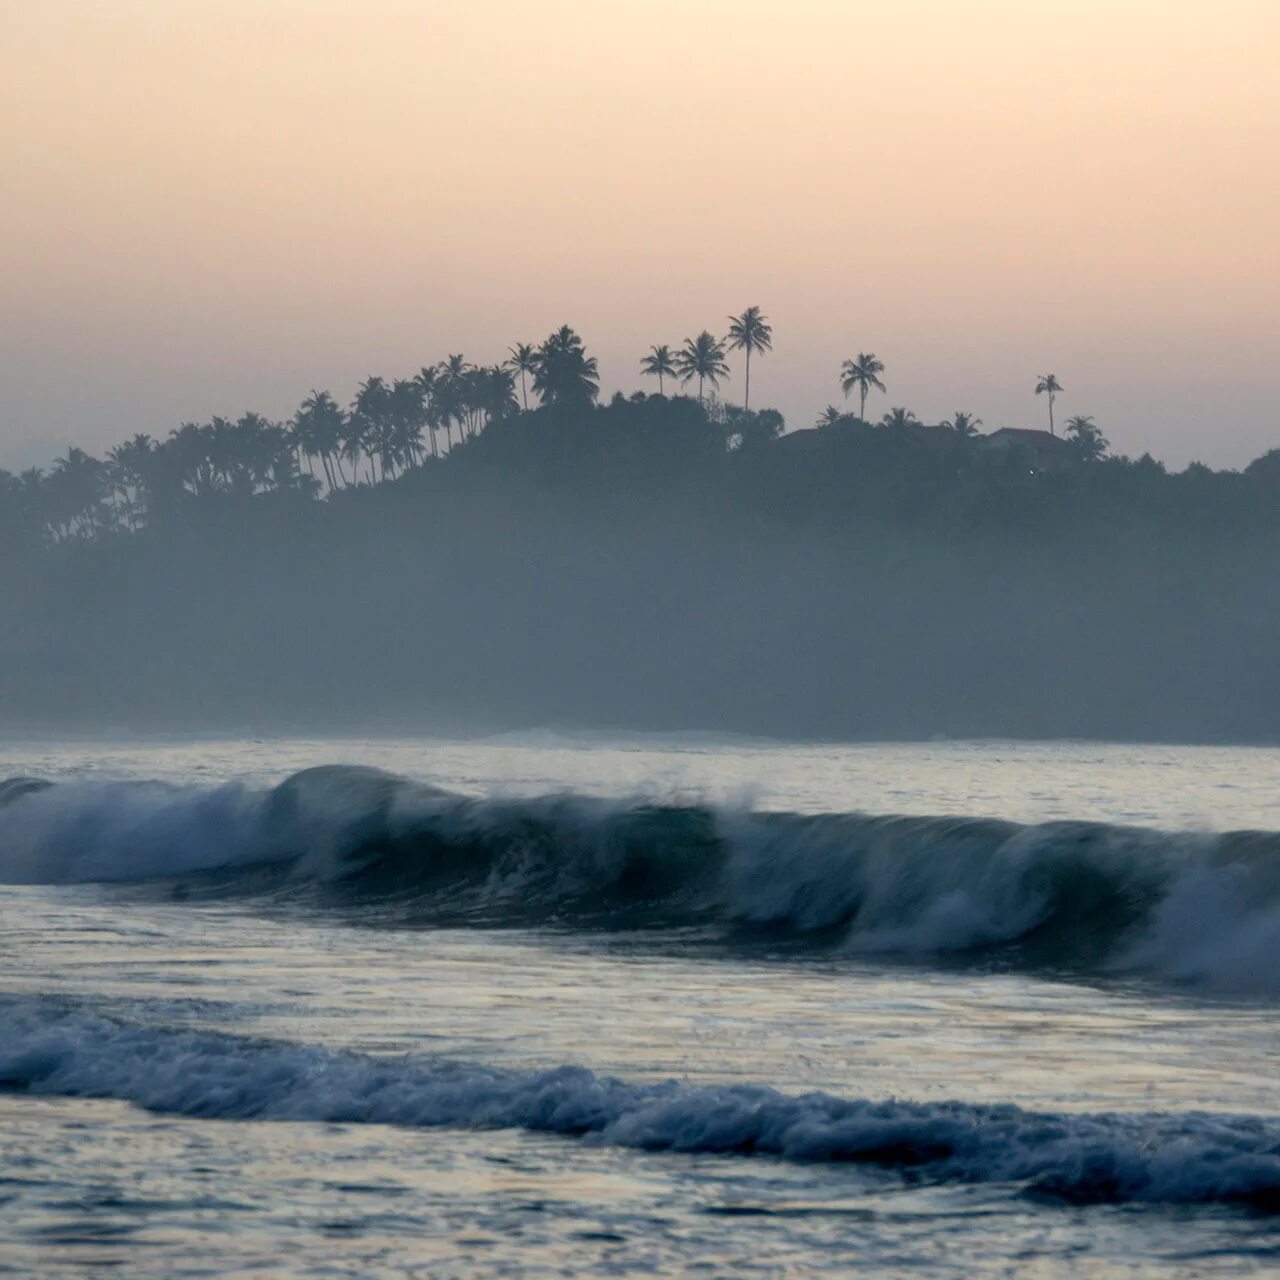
214 205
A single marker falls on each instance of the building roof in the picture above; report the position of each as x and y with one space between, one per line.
1026 435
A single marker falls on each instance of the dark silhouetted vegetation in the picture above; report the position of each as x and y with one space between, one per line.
481 546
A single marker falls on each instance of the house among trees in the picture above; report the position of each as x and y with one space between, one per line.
1039 450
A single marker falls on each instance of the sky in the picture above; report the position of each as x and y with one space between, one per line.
209 206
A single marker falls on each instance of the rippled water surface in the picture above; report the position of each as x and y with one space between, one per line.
224 1053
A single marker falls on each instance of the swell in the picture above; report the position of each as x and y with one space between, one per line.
1081 1158
1189 907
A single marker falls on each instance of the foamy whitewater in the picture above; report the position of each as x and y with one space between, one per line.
564 1004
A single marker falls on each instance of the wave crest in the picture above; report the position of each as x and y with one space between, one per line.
1087 1158
1192 907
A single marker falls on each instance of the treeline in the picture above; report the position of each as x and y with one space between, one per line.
394 427
436 555
389 428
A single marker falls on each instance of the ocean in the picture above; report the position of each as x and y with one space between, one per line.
559 1004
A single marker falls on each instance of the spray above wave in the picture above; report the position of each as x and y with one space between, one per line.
1174 1159
1192 907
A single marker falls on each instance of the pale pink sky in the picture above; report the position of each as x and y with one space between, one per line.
215 205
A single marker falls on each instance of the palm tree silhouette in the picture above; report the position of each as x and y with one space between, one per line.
566 375
128 470
319 425
660 364
523 360
702 358
751 331
829 417
407 410
373 404
356 444
428 381
76 488
1087 437
863 373
494 392
1049 385
898 418
452 395
963 424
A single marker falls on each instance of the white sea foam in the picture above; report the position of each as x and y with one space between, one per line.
1153 1158
1188 907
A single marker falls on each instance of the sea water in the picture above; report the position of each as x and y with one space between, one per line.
557 1004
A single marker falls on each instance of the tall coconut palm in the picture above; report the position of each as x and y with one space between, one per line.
1048 385
259 451
452 394
702 358
428 381
523 359
566 375
496 392
187 449
120 477
129 468
373 404
221 451
751 331
408 418
77 487
357 443
863 373
963 424
318 426
660 364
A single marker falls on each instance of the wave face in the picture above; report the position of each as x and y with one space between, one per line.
1156 1158
1188 907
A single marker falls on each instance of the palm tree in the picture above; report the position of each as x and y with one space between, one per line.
963 424
660 364
1049 386
128 466
373 404
750 332
263 455
76 488
523 360
318 426
428 381
863 373
898 418
1087 437
357 443
408 417
566 375
451 395
221 451
493 393
702 358
187 449
829 417
120 477
473 397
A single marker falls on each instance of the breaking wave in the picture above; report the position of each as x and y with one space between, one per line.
1190 1158
1188 907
